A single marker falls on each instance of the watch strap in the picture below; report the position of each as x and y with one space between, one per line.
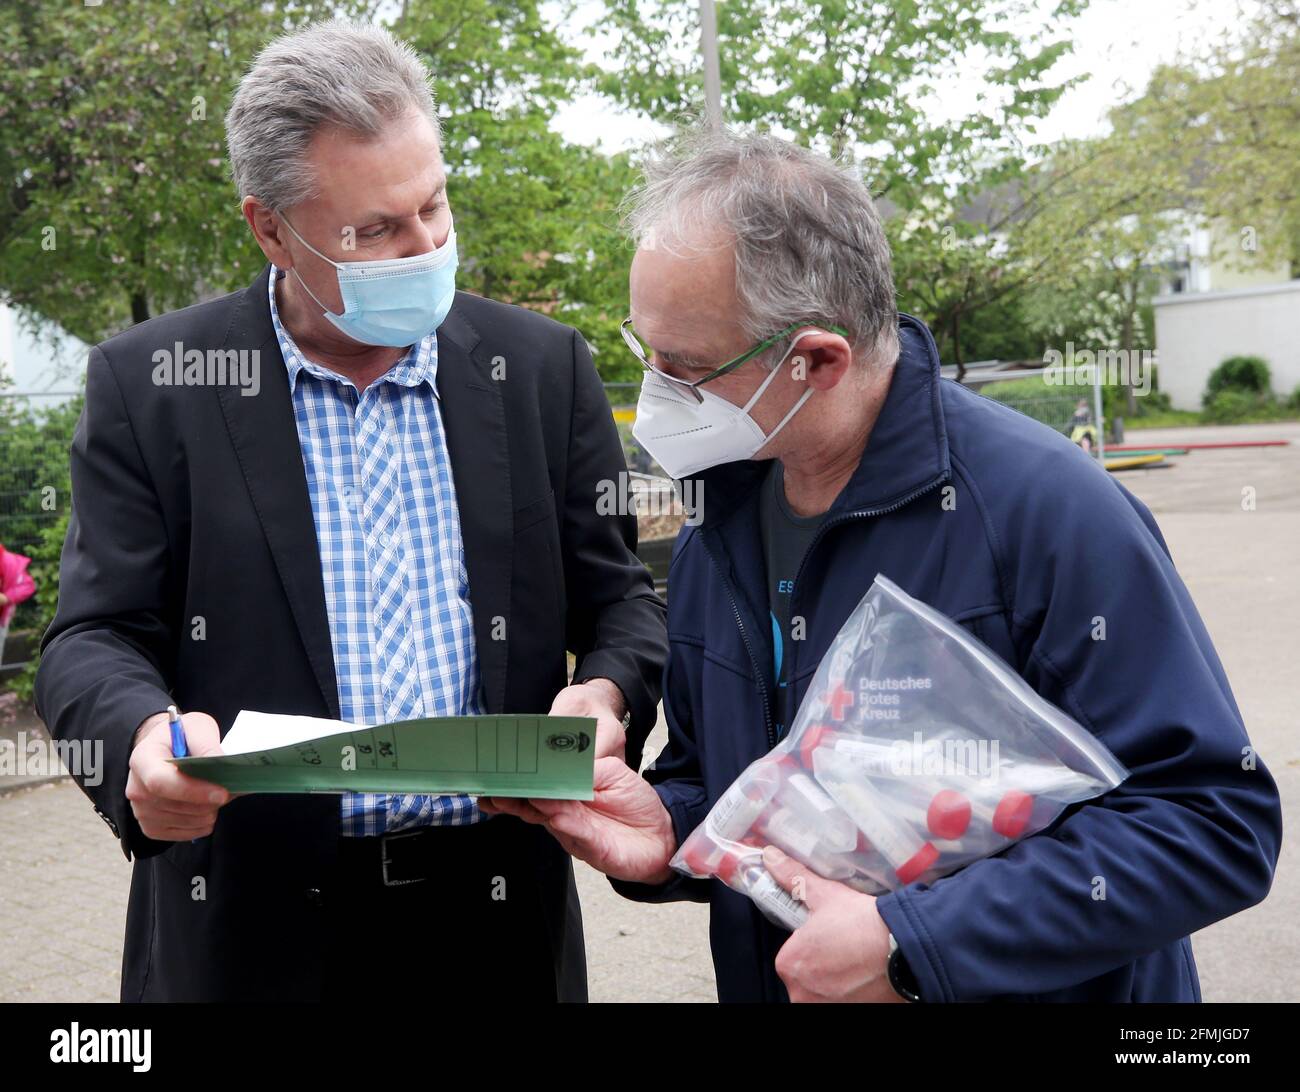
901 977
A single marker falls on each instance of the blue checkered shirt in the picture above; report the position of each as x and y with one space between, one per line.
392 559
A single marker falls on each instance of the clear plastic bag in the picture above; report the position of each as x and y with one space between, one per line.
916 751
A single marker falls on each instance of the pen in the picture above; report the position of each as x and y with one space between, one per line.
179 750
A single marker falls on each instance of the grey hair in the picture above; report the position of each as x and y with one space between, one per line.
807 240
353 75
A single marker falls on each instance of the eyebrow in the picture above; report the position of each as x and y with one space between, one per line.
376 216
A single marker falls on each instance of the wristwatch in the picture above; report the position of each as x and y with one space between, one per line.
900 973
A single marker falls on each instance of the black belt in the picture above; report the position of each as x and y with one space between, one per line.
407 857
399 858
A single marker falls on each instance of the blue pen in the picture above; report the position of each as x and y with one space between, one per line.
179 750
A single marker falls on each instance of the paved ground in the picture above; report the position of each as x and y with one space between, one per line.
63 880
1243 569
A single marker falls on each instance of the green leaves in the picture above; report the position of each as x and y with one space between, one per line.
536 216
116 202
857 78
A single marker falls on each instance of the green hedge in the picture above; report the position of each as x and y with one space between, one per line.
35 498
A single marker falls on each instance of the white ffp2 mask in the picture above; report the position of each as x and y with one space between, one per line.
684 436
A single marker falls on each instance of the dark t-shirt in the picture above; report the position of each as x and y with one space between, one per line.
786 538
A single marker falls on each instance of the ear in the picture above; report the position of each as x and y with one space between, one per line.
822 358
269 231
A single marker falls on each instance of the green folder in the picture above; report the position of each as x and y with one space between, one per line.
521 756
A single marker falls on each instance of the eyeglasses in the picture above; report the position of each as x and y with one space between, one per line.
688 386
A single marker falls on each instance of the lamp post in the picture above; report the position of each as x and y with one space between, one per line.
712 73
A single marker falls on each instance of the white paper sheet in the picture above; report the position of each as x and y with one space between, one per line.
254 731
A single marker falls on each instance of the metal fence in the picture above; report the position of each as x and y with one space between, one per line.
36 429
1061 407
1056 411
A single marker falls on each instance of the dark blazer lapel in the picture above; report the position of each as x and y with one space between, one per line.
474 420
265 435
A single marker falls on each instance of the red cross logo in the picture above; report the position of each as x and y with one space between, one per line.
839 700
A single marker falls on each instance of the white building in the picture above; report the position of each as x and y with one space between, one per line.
51 364
1196 331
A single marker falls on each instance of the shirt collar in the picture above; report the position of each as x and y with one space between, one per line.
419 365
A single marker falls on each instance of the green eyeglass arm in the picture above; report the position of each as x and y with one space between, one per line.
730 364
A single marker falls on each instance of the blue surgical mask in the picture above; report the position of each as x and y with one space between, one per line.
392 301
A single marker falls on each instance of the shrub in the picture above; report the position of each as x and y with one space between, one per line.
34 499
1153 402
33 460
1238 373
1230 406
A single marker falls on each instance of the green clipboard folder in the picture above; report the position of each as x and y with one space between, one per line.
520 756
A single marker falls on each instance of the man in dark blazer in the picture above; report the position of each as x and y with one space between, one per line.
200 570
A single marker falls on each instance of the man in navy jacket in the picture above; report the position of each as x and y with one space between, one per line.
860 459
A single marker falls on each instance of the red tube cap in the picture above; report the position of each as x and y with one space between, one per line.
918 863
948 815
1012 814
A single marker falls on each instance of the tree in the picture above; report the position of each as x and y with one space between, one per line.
1214 139
116 203
1228 120
856 78
536 216
1100 218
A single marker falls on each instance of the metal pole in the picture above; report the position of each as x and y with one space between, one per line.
1096 412
712 72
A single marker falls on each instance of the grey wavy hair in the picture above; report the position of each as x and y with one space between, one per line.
353 75
808 242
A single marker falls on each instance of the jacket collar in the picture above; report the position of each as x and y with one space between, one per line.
906 452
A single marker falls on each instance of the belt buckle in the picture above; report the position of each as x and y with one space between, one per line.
385 860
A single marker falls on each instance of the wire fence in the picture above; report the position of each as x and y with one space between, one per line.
1056 411
1060 411
1071 411
36 429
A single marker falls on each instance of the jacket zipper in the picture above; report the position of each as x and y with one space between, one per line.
844 517
749 648
862 513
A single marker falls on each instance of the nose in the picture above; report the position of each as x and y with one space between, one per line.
426 235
